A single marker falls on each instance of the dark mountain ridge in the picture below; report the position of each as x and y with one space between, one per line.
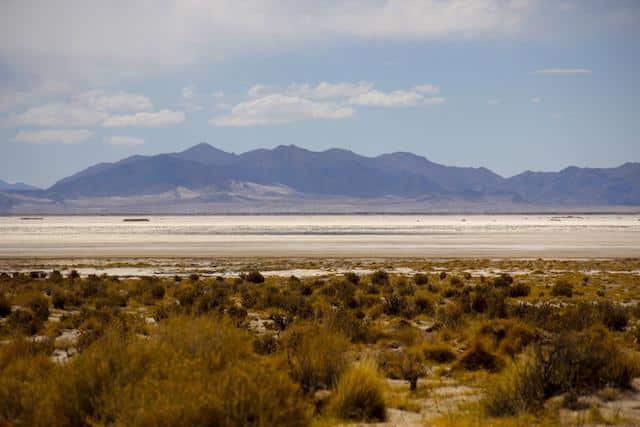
338 172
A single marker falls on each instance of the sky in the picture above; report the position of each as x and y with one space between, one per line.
511 85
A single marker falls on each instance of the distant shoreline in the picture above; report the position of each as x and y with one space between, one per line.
635 210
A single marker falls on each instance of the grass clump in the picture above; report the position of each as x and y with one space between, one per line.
359 395
316 356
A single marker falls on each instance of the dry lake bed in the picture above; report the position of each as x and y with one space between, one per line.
547 236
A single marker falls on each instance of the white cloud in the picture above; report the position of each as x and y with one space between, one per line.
218 94
326 90
84 109
90 38
64 136
188 93
279 109
258 90
396 98
304 101
562 71
117 102
427 89
191 98
56 114
146 119
10 98
86 39
123 140
536 100
494 101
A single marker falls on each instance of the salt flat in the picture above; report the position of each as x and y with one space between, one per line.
324 235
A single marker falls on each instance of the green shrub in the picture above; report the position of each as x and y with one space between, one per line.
359 395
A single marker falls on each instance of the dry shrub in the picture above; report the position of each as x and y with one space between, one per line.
439 353
509 336
562 288
450 315
380 277
423 304
421 279
24 322
254 277
519 388
411 366
316 356
572 362
519 290
195 371
479 357
5 305
345 322
359 395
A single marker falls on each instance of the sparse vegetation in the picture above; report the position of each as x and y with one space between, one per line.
283 350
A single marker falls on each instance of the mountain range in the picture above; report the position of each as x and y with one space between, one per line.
290 176
7 186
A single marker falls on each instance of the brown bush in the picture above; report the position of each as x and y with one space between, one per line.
316 356
359 395
478 357
440 353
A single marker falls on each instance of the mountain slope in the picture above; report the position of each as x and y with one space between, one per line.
336 172
18 186
573 185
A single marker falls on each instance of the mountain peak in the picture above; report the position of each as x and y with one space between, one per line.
207 154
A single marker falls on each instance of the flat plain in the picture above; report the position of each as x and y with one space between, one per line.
301 335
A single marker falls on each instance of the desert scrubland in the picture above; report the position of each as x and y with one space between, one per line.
320 342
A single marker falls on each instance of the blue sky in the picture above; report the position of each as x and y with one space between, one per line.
507 84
